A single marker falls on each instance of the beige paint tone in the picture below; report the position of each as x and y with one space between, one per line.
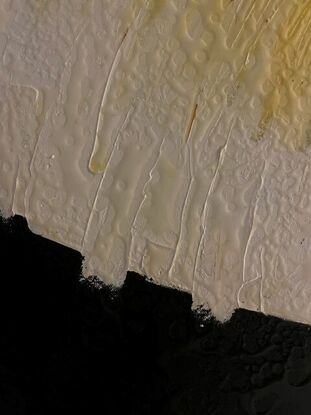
168 137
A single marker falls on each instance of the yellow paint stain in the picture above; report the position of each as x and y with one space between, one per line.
96 166
191 121
289 72
267 115
40 6
266 44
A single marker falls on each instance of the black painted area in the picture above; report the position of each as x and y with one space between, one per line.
68 345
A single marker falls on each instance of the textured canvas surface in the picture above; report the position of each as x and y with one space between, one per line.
68 345
166 137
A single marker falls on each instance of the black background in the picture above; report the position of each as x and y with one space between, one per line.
68 344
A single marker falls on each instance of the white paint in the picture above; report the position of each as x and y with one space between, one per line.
161 137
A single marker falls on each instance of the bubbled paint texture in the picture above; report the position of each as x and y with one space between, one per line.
166 137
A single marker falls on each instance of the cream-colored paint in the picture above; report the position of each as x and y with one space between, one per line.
168 137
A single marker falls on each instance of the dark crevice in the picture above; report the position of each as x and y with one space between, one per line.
70 344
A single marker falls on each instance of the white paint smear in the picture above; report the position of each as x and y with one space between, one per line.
167 137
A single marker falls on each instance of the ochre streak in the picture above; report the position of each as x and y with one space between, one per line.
191 121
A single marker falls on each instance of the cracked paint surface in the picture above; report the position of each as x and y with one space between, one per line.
167 137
